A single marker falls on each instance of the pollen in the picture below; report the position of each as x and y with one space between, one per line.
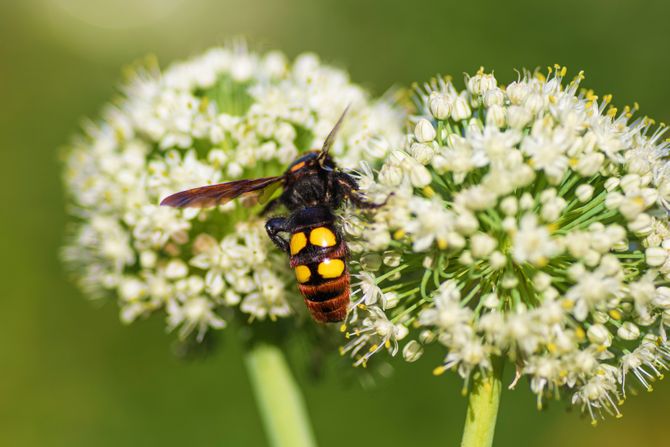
615 314
298 242
331 268
428 191
302 273
398 234
567 304
322 237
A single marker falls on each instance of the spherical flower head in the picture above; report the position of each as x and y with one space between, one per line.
224 115
527 222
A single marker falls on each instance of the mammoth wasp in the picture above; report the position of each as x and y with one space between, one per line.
313 188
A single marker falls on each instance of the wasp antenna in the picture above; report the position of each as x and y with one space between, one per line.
330 139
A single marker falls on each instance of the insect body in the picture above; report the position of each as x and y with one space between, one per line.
317 255
313 187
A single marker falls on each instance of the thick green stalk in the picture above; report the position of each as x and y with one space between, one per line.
278 397
483 402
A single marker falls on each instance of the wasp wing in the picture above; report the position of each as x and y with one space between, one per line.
330 139
213 195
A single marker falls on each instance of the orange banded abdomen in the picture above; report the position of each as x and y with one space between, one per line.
318 257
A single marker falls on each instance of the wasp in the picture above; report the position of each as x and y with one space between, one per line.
313 188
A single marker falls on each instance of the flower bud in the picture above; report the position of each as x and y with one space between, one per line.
424 131
613 200
655 256
421 152
584 192
461 109
390 300
599 335
518 117
517 92
491 300
495 116
641 225
440 105
611 183
466 223
497 260
630 183
509 206
662 297
391 258
481 83
494 97
390 175
419 175
590 164
541 281
527 201
649 196
231 298
664 189
412 351
628 331
534 103
176 268
481 245
148 259
371 262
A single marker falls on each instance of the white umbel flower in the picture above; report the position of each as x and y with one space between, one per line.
542 237
226 114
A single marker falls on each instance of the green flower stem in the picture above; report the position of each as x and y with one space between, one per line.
483 402
278 397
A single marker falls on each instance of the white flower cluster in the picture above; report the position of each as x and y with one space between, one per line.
527 222
224 115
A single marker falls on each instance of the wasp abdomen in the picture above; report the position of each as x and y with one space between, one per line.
318 257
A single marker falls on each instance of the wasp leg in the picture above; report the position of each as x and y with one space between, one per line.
349 188
275 226
361 202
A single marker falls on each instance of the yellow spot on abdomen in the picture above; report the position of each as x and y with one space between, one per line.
322 237
302 273
298 242
331 268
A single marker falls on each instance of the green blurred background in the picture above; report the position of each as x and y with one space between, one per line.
72 375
